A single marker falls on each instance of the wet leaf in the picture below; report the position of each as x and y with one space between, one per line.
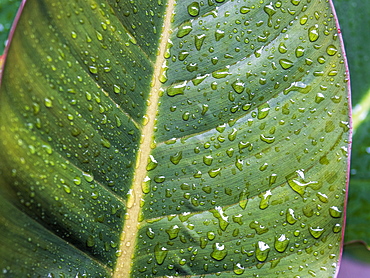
153 138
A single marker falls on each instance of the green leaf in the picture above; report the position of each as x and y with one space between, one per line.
153 138
353 17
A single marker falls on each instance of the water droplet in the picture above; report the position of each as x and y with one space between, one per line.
223 220
335 212
282 48
265 198
244 10
116 88
331 50
152 163
145 185
77 180
193 9
105 143
290 217
150 233
316 232
299 51
285 63
263 111
199 39
266 139
184 29
319 98
238 86
313 33
160 253
48 102
281 243
175 159
208 159
88 177
219 251
214 172
270 10
173 231
177 89
219 34
262 251
258 227
222 73
238 269
93 69
298 183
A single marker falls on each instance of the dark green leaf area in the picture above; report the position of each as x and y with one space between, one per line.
247 152
251 144
71 114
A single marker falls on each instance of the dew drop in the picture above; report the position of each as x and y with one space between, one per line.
298 183
290 217
184 29
263 111
335 212
281 243
316 232
238 86
160 253
173 231
219 252
331 50
193 9
152 163
262 251
177 89
199 39
175 159
313 33
285 63
265 198
238 269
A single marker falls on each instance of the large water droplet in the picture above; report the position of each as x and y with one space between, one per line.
316 232
298 183
281 243
313 33
193 9
262 251
219 251
160 253
335 212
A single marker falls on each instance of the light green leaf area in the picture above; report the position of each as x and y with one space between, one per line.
176 139
353 17
8 9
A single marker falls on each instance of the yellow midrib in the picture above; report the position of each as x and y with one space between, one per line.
130 229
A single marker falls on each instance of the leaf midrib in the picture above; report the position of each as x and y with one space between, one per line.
131 225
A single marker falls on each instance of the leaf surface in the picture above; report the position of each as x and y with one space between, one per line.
154 138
